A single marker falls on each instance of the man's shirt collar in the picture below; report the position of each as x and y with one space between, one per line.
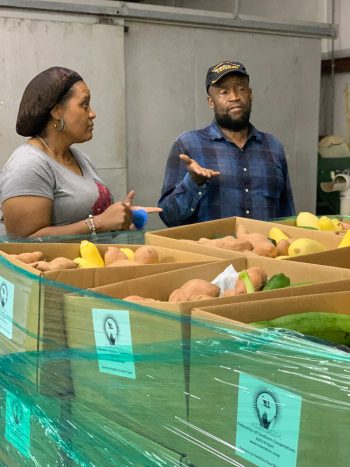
216 134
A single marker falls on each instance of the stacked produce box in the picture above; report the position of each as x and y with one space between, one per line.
152 355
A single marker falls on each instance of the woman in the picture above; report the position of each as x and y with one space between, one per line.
47 187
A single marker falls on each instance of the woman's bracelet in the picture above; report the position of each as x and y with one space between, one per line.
91 224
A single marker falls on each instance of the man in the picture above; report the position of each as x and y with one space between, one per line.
228 168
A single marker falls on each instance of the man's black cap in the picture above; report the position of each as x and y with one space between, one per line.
216 72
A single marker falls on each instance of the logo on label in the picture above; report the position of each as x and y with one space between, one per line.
111 330
17 412
267 408
3 294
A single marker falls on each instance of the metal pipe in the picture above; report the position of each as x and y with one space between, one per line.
332 83
184 16
236 9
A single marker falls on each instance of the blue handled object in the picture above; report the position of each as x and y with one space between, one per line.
139 218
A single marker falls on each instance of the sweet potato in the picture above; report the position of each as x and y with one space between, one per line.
175 296
200 297
113 254
234 244
229 243
282 247
122 262
266 248
254 238
54 265
146 255
257 277
29 257
194 288
229 293
345 225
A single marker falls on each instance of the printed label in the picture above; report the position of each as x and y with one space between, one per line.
113 342
268 423
17 429
7 293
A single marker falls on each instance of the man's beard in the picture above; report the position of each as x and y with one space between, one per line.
227 122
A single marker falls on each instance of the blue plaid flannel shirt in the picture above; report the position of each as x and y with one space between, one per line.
253 181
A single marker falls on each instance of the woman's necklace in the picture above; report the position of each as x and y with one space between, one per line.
67 164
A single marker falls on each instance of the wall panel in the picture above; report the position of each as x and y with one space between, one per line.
165 92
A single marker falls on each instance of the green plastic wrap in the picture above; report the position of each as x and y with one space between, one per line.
88 380
122 236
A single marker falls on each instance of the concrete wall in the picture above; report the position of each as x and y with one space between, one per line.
32 42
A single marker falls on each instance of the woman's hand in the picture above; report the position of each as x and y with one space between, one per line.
117 216
150 209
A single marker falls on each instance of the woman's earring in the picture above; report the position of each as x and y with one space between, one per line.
60 125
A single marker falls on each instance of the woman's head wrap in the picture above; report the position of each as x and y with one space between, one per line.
40 97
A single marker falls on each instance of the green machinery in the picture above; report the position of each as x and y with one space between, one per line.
328 168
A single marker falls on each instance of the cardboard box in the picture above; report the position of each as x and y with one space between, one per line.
331 302
149 287
339 258
127 365
160 286
93 277
29 435
177 237
45 431
112 440
31 318
235 369
27 295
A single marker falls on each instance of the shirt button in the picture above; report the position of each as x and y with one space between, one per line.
192 209
199 193
245 169
247 211
246 190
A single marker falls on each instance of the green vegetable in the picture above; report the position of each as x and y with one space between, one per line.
278 281
244 276
333 327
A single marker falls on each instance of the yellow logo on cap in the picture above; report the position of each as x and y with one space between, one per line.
220 68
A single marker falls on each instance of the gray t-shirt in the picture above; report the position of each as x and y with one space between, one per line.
30 172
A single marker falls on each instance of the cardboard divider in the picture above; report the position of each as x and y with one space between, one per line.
185 237
314 276
331 302
339 258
